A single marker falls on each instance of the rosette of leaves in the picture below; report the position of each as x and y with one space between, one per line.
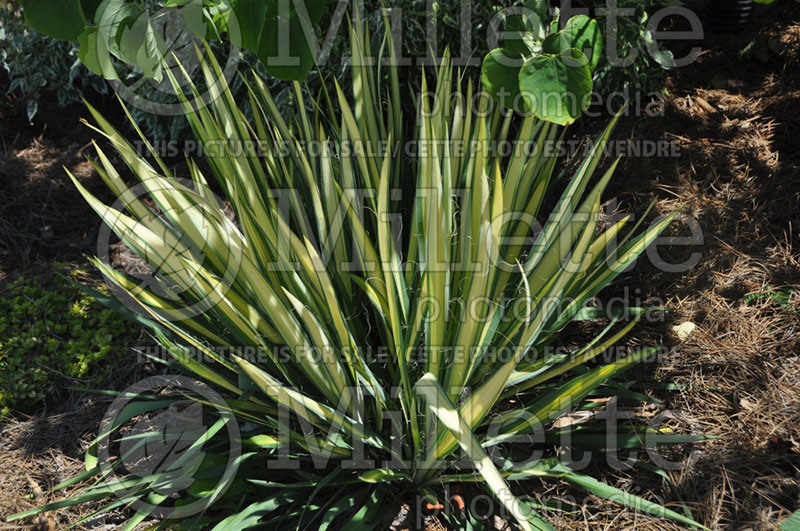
406 344
549 75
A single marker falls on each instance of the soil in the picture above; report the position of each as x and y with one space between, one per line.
734 120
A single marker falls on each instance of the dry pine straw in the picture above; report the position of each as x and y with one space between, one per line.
739 176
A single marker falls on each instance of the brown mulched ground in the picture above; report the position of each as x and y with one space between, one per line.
42 216
736 121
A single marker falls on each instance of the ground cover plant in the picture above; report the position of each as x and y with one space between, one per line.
322 267
53 335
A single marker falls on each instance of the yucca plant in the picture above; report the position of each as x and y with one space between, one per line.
324 263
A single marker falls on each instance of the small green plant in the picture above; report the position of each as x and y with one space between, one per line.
53 334
548 73
781 297
371 348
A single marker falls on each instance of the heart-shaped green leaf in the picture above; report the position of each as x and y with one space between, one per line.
286 47
60 19
556 87
500 76
583 33
139 46
93 53
553 44
523 34
280 33
516 31
114 20
248 18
